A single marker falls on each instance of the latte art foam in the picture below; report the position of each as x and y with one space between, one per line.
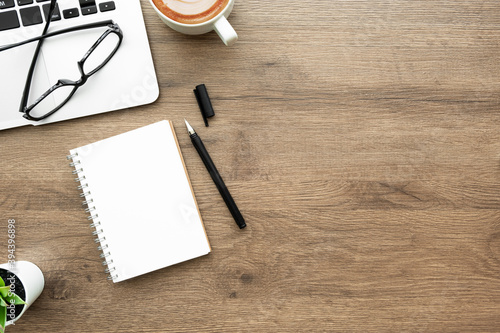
191 11
189 7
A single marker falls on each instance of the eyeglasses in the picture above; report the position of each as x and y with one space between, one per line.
99 54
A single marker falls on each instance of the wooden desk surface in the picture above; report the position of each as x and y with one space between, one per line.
360 140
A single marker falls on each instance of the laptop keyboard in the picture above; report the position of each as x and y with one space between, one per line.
17 13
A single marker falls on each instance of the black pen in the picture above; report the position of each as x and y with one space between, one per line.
209 164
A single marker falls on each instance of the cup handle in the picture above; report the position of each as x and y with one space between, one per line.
225 31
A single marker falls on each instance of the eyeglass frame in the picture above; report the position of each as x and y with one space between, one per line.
112 28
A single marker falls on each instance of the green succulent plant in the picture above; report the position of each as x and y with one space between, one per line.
6 299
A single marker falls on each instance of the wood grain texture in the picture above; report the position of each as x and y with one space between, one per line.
360 140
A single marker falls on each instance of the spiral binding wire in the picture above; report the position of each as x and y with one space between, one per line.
94 216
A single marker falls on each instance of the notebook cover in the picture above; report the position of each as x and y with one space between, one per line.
142 201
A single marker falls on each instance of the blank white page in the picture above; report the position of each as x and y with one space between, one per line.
143 200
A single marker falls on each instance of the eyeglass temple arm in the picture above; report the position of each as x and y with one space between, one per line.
58 32
25 96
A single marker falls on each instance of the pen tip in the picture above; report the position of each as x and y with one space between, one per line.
189 128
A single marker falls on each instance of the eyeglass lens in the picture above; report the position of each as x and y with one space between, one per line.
51 101
99 55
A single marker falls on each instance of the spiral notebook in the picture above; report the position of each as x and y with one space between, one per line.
140 201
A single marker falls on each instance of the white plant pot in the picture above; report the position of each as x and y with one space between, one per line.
32 279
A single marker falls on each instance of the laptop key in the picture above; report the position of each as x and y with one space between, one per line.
31 16
85 3
89 10
56 15
6 4
70 13
9 20
107 6
24 2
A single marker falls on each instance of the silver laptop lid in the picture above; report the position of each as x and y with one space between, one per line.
128 80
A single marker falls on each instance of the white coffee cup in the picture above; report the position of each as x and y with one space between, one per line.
218 23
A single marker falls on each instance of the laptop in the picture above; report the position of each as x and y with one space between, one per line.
128 80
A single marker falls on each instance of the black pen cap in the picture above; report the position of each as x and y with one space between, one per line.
206 108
